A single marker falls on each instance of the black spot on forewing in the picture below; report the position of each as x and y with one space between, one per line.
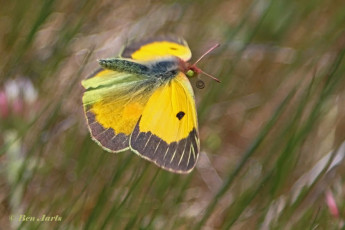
180 114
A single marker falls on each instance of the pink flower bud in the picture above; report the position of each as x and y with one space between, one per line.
332 206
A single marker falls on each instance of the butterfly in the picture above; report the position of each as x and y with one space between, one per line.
143 101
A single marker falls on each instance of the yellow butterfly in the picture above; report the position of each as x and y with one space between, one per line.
143 101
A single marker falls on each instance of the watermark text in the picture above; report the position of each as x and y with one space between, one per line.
30 218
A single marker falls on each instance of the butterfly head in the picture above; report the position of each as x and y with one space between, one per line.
191 70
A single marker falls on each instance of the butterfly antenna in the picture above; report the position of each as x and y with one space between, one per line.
207 52
202 56
209 75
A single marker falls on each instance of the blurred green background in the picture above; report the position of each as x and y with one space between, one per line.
272 132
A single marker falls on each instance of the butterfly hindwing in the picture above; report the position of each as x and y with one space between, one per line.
167 132
113 102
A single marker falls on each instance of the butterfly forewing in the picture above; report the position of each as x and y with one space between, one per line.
167 132
157 48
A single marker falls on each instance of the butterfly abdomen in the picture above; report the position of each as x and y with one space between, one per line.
123 65
164 69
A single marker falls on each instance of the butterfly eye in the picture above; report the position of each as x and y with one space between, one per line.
190 73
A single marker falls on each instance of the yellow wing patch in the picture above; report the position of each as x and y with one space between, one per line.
113 103
170 112
104 73
158 48
167 132
120 115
